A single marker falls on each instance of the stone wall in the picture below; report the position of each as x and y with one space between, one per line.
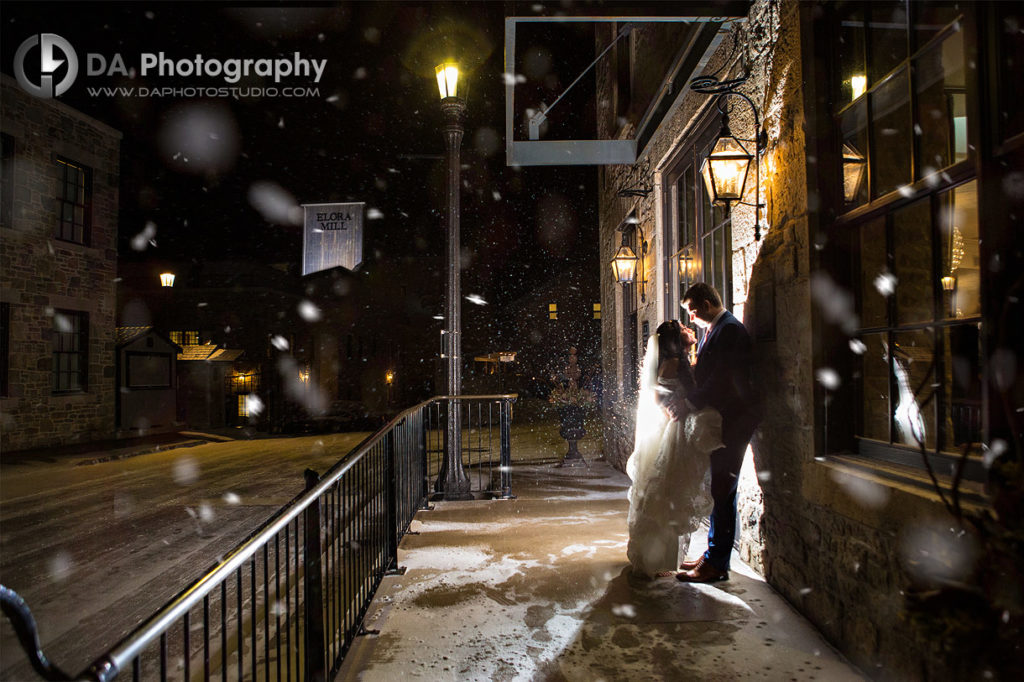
805 522
41 274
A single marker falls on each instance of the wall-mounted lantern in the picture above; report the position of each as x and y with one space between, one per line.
725 169
167 279
626 265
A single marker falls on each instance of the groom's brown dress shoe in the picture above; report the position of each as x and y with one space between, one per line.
703 572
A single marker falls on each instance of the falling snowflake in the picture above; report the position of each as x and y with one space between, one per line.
279 342
476 298
232 498
274 203
185 470
142 239
374 214
828 378
857 346
253 405
309 311
886 283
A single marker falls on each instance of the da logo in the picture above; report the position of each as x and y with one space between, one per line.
51 46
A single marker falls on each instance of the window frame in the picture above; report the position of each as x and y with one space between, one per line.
965 25
78 233
850 433
81 331
691 155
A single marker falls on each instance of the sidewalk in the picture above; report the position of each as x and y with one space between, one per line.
538 588
94 452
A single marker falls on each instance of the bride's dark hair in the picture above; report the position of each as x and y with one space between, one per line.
670 341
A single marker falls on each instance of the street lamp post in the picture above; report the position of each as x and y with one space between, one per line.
452 479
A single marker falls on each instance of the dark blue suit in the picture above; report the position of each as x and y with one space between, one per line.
723 381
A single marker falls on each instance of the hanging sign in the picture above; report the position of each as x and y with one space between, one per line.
332 235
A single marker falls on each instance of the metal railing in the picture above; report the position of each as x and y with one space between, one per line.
288 602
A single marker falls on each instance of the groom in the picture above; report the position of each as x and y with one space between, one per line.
723 381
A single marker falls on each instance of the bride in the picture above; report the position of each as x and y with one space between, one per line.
670 462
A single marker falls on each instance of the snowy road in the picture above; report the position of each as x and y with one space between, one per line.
95 548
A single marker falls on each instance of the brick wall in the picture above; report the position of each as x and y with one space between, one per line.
41 274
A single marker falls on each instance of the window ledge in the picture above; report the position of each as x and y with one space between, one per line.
896 486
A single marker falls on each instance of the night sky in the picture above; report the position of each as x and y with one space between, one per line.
373 133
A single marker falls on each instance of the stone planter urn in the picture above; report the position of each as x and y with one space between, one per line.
571 429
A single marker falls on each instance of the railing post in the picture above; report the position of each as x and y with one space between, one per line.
425 421
391 475
316 657
505 459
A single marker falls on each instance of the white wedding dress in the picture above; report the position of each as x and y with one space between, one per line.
670 470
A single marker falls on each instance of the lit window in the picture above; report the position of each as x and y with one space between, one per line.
243 405
552 311
597 311
186 338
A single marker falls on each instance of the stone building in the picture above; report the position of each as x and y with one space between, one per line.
58 260
881 287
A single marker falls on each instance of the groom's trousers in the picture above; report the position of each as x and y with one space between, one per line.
725 477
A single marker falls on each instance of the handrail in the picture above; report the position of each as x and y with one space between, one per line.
17 611
131 647
145 634
372 492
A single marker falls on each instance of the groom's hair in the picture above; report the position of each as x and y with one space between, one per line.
702 291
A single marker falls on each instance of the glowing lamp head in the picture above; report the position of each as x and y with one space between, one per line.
726 168
167 279
447 79
624 265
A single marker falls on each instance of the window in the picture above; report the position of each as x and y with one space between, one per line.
244 382
552 311
185 338
920 310
70 351
597 311
73 202
5 347
902 92
1009 70
6 179
243 405
699 233
902 112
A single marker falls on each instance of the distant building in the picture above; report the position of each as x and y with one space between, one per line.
58 228
146 381
246 347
